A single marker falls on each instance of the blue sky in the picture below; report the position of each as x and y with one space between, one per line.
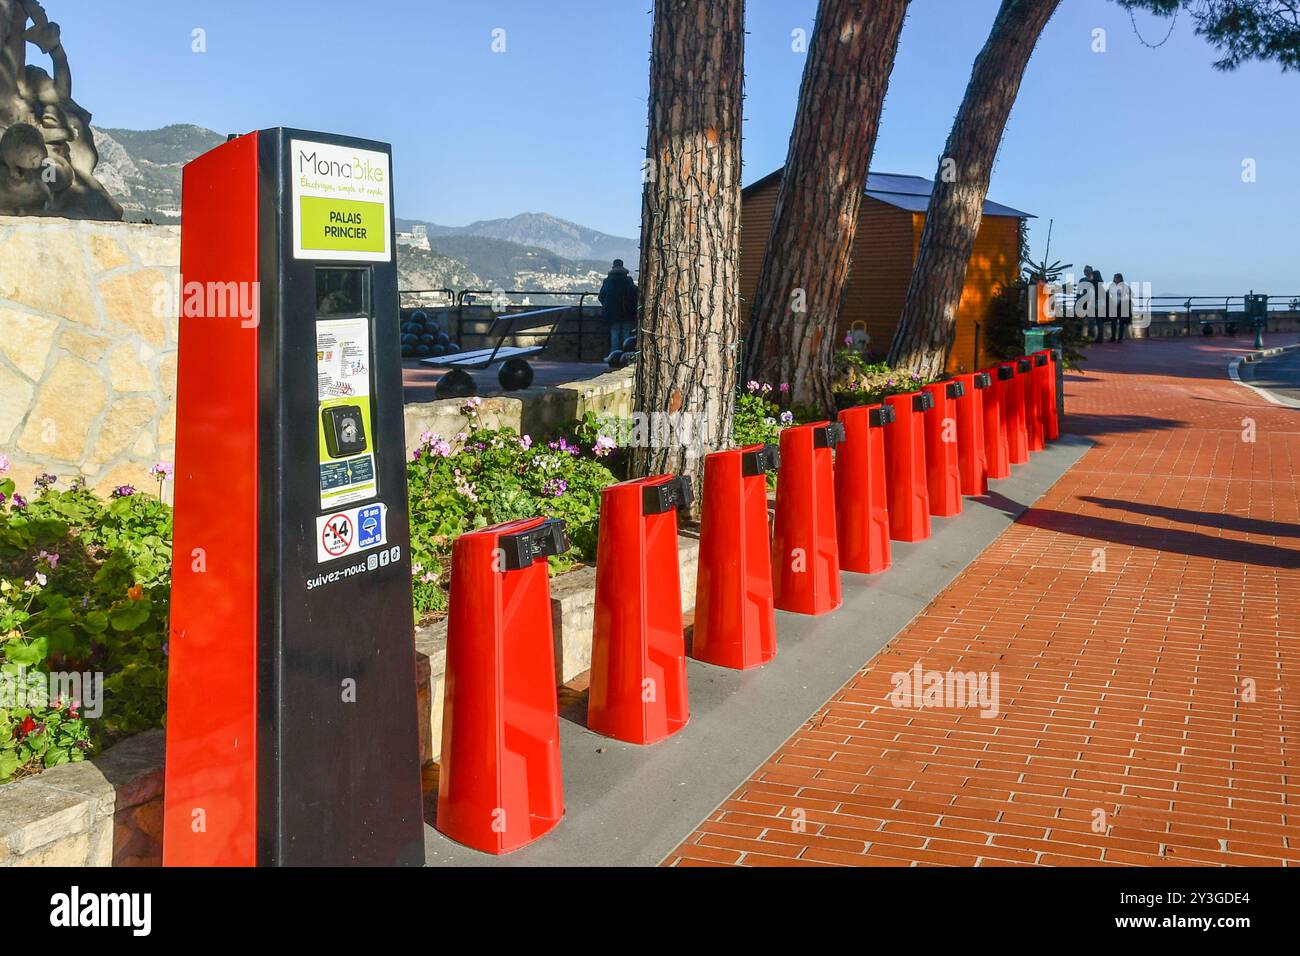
1136 153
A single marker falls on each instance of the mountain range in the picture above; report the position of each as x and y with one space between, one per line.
540 230
142 169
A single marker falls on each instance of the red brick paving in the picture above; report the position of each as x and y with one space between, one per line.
1122 735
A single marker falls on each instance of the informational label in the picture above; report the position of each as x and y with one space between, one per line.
347 533
343 378
340 202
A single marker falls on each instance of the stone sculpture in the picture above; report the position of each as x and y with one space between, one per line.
47 150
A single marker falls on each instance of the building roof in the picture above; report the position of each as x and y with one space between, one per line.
904 192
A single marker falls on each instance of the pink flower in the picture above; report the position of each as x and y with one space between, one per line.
4 464
163 470
604 445
785 388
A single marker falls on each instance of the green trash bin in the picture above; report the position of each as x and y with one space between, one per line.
1039 337
1257 315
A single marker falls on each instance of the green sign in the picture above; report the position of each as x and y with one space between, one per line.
341 225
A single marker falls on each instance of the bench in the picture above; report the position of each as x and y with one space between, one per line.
503 326
1229 324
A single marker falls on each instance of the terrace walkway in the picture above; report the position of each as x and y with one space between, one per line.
1148 711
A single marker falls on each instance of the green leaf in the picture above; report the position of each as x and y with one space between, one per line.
129 616
24 654
9 764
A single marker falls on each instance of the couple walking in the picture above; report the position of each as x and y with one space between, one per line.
1104 304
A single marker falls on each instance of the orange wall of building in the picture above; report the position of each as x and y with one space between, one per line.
884 251
995 261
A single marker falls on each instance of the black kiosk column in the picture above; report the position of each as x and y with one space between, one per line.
292 732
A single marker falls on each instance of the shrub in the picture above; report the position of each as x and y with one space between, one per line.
84 588
498 475
758 418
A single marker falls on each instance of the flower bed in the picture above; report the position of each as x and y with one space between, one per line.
498 475
860 381
85 582
84 588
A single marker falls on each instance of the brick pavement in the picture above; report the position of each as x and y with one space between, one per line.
1141 621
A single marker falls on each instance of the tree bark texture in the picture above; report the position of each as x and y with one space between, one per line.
690 235
806 265
928 324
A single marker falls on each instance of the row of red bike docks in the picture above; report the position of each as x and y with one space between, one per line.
845 490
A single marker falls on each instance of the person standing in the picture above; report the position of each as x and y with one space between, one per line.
1119 304
1100 311
1084 305
618 296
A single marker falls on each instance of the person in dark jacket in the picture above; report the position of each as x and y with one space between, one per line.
1084 307
1119 300
618 296
1099 305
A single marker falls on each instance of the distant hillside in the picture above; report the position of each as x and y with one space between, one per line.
142 168
502 262
422 269
544 231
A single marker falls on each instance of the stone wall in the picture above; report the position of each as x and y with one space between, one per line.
529 411
87 367
101 812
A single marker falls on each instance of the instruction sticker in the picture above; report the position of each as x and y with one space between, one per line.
340 202
346 533
343 379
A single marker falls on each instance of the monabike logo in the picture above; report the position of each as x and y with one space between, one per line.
358 169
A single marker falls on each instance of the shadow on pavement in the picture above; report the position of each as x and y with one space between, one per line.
1008 506
1112 424
1172 540
1225 522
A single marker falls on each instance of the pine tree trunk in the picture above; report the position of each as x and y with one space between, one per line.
690 235
928 324
806 266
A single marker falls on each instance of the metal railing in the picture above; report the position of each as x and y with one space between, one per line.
1188 309
571 327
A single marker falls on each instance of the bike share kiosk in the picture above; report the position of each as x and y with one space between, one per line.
292 734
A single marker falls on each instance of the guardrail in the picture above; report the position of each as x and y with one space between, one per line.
1184 308
458 300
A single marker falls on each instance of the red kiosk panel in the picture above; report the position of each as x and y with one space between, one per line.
211 771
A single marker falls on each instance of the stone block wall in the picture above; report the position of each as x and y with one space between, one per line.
101 812
87 349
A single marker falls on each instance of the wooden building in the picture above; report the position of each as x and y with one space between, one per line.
889 231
